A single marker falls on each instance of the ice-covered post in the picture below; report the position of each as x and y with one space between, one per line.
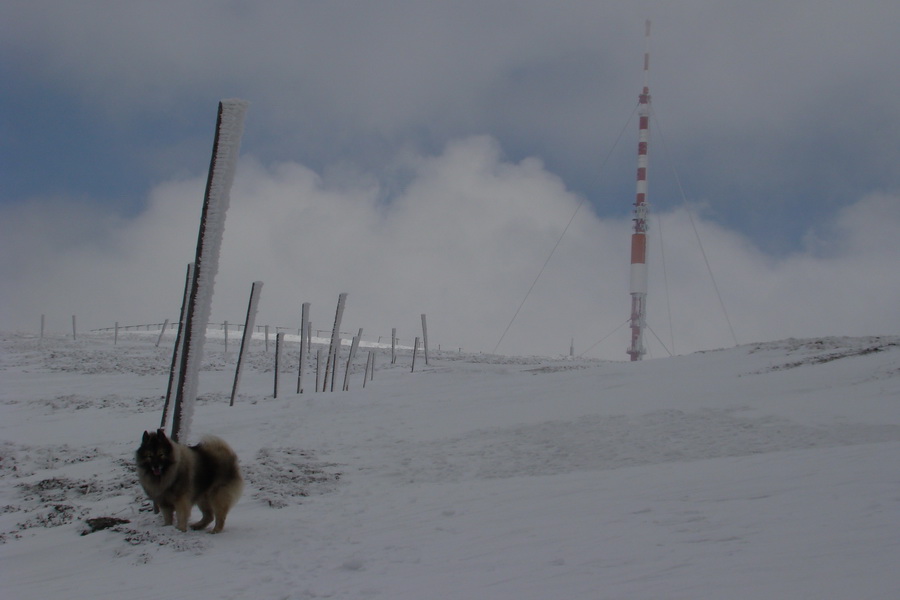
415 351
116 334
279 341
267 337
334 348
247 338
304 342
217 196
42 326
425 338
73 328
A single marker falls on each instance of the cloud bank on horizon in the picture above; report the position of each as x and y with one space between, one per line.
426 156
461 242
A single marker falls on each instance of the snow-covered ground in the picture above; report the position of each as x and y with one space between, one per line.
764 471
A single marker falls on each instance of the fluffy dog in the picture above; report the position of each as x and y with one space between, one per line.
176 477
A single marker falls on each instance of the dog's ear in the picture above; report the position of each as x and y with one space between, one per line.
145 438
161 433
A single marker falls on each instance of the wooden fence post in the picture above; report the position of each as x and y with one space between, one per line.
247 337
425 338
318 370
279 340
354 346
179 346
334 349
304 342
394 346
162 330
370 368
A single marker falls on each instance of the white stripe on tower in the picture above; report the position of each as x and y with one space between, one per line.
638 286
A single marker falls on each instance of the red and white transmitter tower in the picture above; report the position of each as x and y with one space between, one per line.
638 285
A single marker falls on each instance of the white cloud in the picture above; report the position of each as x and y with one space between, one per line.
462 241
852 289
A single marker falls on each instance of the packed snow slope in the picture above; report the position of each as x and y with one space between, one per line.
764 471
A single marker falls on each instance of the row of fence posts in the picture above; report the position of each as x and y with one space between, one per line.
305 347
328 381
330 372
305 333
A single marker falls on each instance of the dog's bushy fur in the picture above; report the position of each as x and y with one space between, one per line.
176 477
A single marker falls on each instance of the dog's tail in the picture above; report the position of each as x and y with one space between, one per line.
228 470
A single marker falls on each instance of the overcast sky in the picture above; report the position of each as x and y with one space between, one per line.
426 156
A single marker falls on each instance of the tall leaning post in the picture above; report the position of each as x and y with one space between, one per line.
216 198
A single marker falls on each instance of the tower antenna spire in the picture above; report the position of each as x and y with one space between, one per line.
638 279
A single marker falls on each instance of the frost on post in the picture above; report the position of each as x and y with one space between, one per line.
226 146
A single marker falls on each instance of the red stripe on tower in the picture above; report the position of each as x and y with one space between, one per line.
638 249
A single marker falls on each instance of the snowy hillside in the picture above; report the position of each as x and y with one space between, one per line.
764 471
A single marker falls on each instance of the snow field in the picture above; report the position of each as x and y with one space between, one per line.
763 471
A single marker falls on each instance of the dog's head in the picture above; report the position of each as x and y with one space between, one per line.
156 453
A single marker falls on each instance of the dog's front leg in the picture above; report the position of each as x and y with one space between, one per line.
182 514
167 511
